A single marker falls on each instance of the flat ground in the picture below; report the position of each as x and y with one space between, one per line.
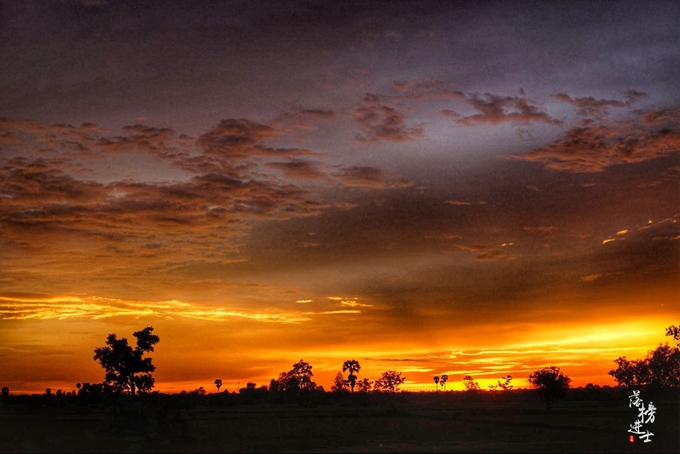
416 423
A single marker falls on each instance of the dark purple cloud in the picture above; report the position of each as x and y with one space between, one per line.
380 123
599 145
590 107
494 109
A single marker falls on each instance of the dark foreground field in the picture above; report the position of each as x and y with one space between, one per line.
451 422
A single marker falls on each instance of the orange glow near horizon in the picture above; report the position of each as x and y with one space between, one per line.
585 351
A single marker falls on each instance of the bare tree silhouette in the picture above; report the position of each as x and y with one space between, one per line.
443 381
470 384
122 363
505 384
552 381
218 384
351 366
436 382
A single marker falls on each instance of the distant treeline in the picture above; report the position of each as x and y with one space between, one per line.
129 373
263 395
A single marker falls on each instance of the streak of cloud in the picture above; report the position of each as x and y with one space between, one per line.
96 308
588 106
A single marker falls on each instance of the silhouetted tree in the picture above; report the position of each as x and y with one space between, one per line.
443 381
94 390
123 363
674 332
351 366
660 369
339 383
505 384
552 381
218 384
5 391
364 385
48 391
470 384
630 373
389 381
436 381
298 378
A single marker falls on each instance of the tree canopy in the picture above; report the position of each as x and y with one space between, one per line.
552 381
298 378
660 369
127 371
389 381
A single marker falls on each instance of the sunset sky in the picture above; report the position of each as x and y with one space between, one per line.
481 188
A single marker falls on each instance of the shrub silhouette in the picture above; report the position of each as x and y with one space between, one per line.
123 363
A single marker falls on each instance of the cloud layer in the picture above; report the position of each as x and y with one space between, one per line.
596 146
59 195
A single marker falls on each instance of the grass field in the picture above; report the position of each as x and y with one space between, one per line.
419 422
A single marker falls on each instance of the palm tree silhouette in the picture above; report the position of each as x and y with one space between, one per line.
352 366
436 381
443 381
218 383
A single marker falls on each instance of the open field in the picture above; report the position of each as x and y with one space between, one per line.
405 423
